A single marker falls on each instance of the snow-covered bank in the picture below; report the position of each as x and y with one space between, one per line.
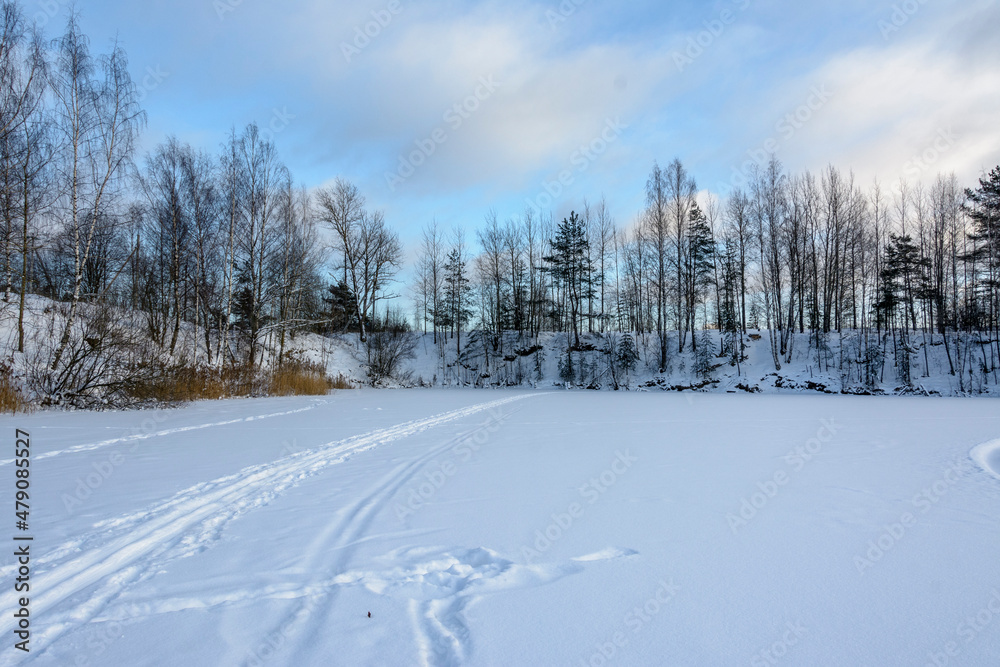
517 528
836 363
546 361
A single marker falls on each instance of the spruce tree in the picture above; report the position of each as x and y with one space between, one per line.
627 356
572 270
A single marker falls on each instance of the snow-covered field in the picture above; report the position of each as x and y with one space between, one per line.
513 528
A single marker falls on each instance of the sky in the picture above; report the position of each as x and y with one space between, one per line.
444 110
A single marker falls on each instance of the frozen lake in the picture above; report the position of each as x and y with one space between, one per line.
514 528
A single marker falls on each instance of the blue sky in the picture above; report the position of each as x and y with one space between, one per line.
874 85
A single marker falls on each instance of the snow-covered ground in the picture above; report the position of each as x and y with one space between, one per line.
513 528
966 366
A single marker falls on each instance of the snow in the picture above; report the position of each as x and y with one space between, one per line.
535 362
515 527
987 455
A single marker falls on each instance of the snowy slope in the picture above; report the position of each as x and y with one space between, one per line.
515 364
805 371
515 528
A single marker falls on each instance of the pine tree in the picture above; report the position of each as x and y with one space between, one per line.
627 356
703 356
340 306
700 264
903 274
457 310
571 268
983 207
732 339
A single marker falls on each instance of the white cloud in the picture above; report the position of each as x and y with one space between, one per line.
919 105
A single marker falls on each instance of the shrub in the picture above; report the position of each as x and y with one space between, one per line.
388 347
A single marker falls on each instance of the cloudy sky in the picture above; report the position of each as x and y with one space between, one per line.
444 109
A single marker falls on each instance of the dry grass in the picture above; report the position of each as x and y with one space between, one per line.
340 382
11 399
299 380
178 384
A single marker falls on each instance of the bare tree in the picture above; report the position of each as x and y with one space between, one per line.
371 253
99 119
657 230
431 272
25 148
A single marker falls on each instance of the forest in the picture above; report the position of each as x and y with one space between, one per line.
184 273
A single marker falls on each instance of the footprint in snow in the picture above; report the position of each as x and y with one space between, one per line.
440 582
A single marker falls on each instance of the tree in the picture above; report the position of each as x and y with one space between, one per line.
26 149
902 268
769 206
699 265
738 215
341 307
457 311
657 230
681 190
261 178
570 266
492 270
627 356
201 197
98 120
298 264
371 252
169 231
431 276
729 301
983 208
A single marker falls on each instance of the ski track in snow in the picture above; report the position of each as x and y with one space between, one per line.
134 547
144 436
987 456
331 551
438 582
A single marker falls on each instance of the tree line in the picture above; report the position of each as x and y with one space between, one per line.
180 257
215 259
818 254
